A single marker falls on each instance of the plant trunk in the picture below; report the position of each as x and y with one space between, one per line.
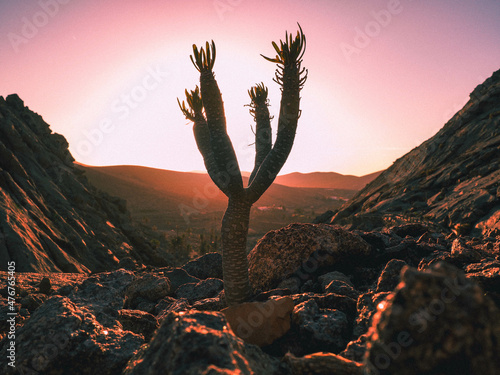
234 253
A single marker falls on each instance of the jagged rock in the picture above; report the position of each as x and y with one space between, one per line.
33 301
356 350
194 342
389 278
210 304
60 335
301 249
150 287
462 252
205 266
169 304
204 289
104 292
178 277
342 288
260 323
322 364
139 322
412 230
366 306
450 181
45 286
435 322
321 329
329 301
327 278
487 274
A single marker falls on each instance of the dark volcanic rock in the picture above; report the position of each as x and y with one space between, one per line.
139 322
322 364
301 249
61 335
321 329
204 289
51 218
192 343
451 180
436 322
205 266
389 278
150 287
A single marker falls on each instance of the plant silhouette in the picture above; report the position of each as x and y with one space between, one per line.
205 110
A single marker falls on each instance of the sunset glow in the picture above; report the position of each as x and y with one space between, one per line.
383 75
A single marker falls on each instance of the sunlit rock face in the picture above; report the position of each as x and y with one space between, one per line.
436 321
51 218
450 180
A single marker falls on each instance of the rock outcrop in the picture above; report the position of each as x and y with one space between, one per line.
51 218
437 321
300 248
451 180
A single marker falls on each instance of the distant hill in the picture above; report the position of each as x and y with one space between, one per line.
51 218
327 180
452 179
170 199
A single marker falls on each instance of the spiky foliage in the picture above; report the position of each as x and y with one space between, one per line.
289 54
204 59
195 105
206 110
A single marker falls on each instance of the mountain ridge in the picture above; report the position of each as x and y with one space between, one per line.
51 218
451 180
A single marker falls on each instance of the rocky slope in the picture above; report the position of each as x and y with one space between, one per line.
406 300
452 179
51 218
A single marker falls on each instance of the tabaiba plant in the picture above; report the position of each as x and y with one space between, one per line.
204 108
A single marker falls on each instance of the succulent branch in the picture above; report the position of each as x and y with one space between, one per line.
290 76
263 133
221 148
194 112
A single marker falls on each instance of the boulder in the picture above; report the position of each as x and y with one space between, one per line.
389 278
205 266
436 322
207 288
139 322
193 343
60 335
150 287
301 249
321 329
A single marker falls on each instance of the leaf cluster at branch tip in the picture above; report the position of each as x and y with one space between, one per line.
194 102
204 59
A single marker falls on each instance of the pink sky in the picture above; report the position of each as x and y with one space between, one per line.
106 74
